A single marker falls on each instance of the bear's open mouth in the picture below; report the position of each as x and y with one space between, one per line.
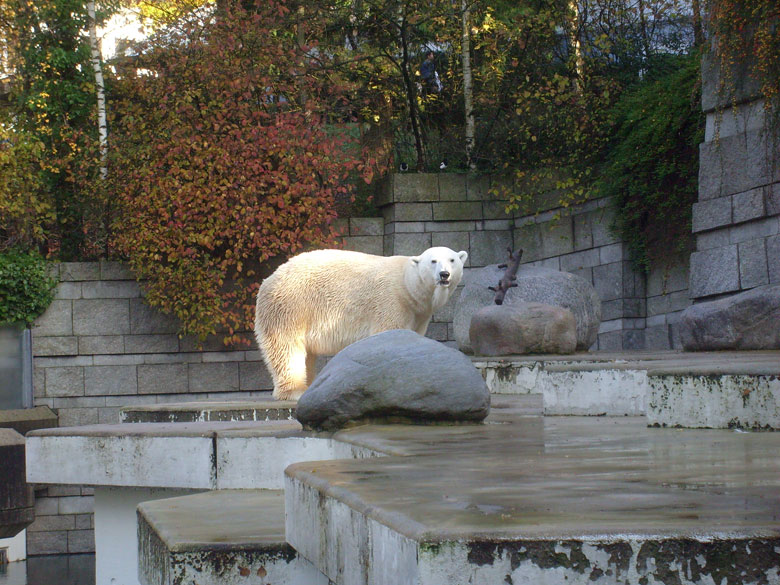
444 282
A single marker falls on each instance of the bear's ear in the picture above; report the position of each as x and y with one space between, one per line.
463 255
415 259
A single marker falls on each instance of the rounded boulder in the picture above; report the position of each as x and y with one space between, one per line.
534 284
394 376
523 328
748 320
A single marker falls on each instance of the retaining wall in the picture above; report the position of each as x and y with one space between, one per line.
737 217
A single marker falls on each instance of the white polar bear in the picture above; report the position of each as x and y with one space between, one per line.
317 303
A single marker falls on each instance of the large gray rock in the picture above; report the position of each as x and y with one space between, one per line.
522 328
534 284
394 376
748 320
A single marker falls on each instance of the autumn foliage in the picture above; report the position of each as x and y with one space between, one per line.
231 150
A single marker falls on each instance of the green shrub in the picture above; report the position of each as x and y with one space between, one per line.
26 288
652 165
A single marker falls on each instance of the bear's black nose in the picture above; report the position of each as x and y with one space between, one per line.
444 275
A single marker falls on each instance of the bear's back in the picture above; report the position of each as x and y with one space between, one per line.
323 277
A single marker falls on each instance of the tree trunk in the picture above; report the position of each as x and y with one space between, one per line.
100 88
468 92
698 30
574 37
300 38
411 95
643 24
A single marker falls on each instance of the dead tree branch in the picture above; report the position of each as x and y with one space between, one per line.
509 279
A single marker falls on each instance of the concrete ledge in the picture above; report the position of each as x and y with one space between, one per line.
176 455
261 410
227 537
199 455
613 384
714 401
24 420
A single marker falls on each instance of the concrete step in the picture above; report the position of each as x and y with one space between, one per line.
255 410
670 387
548 500
691 390
224 536
709 399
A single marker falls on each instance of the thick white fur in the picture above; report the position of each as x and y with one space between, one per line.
319 302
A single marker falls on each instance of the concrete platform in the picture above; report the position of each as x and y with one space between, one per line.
24 420
133 463
543 500
226 536
523 498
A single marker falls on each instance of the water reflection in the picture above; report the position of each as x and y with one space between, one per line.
50 570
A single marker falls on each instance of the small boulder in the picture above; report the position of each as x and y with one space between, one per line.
748 320
534 284
523 328
394 376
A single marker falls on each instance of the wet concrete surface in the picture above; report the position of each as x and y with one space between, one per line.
526 476
760 362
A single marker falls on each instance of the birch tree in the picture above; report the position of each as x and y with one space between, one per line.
100 88
468 90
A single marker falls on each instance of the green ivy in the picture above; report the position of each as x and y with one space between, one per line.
26 289
652 164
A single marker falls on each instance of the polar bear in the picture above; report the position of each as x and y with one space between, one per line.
319 302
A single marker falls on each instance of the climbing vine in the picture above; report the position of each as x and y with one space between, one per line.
748 32
652 165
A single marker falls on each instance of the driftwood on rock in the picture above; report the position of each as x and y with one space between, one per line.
510 275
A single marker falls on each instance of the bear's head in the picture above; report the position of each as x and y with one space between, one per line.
441 266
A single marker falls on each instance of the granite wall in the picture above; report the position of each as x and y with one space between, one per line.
737 217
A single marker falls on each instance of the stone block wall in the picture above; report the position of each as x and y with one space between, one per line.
99 346
458 211
737 217
63 523
578 240
452 210
667 297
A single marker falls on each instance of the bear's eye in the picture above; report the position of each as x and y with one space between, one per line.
433 261
452 259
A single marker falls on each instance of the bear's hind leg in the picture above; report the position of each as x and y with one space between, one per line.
290 367
311 367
